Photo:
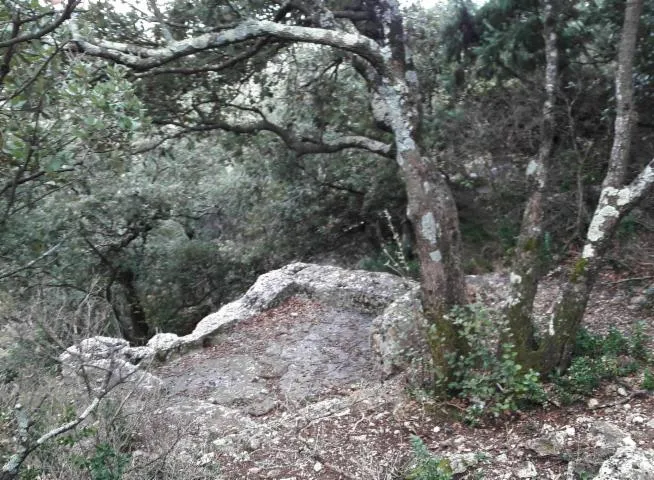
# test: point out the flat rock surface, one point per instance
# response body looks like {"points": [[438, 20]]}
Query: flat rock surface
{"points": [[296, 352]]}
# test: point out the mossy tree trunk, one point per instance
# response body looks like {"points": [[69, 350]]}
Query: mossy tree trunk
{"points": [[431, 207], [616, 200], [528, 261]]}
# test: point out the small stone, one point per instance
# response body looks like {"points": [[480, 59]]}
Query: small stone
{"points": [[206, 459], [528, 470], [638, 300], [317, 467], [502, 458], [570, 431], [460, 462], [628, 442], [252, 444], [622, 392], [627, 406], [459, 440], [638, 420], [545, 446], [436, 429], [650, 424], [593, 403]]}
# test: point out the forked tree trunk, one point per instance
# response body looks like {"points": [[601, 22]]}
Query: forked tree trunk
{"points": [[615, 202], [528, 263]]}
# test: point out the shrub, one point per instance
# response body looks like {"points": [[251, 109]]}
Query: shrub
{"points": [[602, 357], [425, 466], [490, 383]]}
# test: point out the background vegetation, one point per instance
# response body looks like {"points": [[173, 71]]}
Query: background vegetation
{"points": [[117, 217]]}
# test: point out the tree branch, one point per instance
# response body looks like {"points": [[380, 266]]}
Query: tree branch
{"points": [[65, 15], [144, 58], [301, 146]]}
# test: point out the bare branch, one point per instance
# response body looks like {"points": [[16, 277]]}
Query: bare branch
{"points": [[217, 67], [31, 263], [300, 145], [11, 468], [65, 15]]}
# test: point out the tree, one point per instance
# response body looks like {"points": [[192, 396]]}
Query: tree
{"points": [[369, 37], [617, 198], [221, 49]]}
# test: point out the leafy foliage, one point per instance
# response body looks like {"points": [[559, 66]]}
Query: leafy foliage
{"points": [[603, 357], [489, 383], [426, 466]]}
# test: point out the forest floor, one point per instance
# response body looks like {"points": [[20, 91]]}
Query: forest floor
{"points": [[302, 374]]}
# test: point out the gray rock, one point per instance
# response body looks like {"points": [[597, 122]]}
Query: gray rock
{"points": [[528, 470], [607, 438], [104, 362], [548, 445], [399, 335], [365, 291], [164, 342], [460, 462], [628, 463]]}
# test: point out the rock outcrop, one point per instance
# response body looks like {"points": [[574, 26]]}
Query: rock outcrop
{"points": [[397, 335]]}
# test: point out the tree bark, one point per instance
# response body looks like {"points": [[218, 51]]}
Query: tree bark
{"points": [[528, 263], [614, 203], [431, 207]]}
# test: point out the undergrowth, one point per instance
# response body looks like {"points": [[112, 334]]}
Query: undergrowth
{"points": [[425, 465], [487, 382], [599, 358]]}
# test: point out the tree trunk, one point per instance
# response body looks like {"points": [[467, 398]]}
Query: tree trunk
{"points": [[527, 266], [129, 311], [431, 207], [613, 205]]}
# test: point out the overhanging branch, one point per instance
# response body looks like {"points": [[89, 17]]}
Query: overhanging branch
{"points": [[144, 58], [51, 27]]}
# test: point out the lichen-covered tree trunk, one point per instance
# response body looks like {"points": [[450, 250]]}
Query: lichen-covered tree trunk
{"points": [[431, 206], [527, 266], [615, 202]]}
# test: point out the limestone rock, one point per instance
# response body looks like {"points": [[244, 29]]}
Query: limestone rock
{"points": [[105, 362], [365, 291], [607, 437], [460, 462], [398, 336], [164, 342], [628, 463], [549, 445], [528, 470]]}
